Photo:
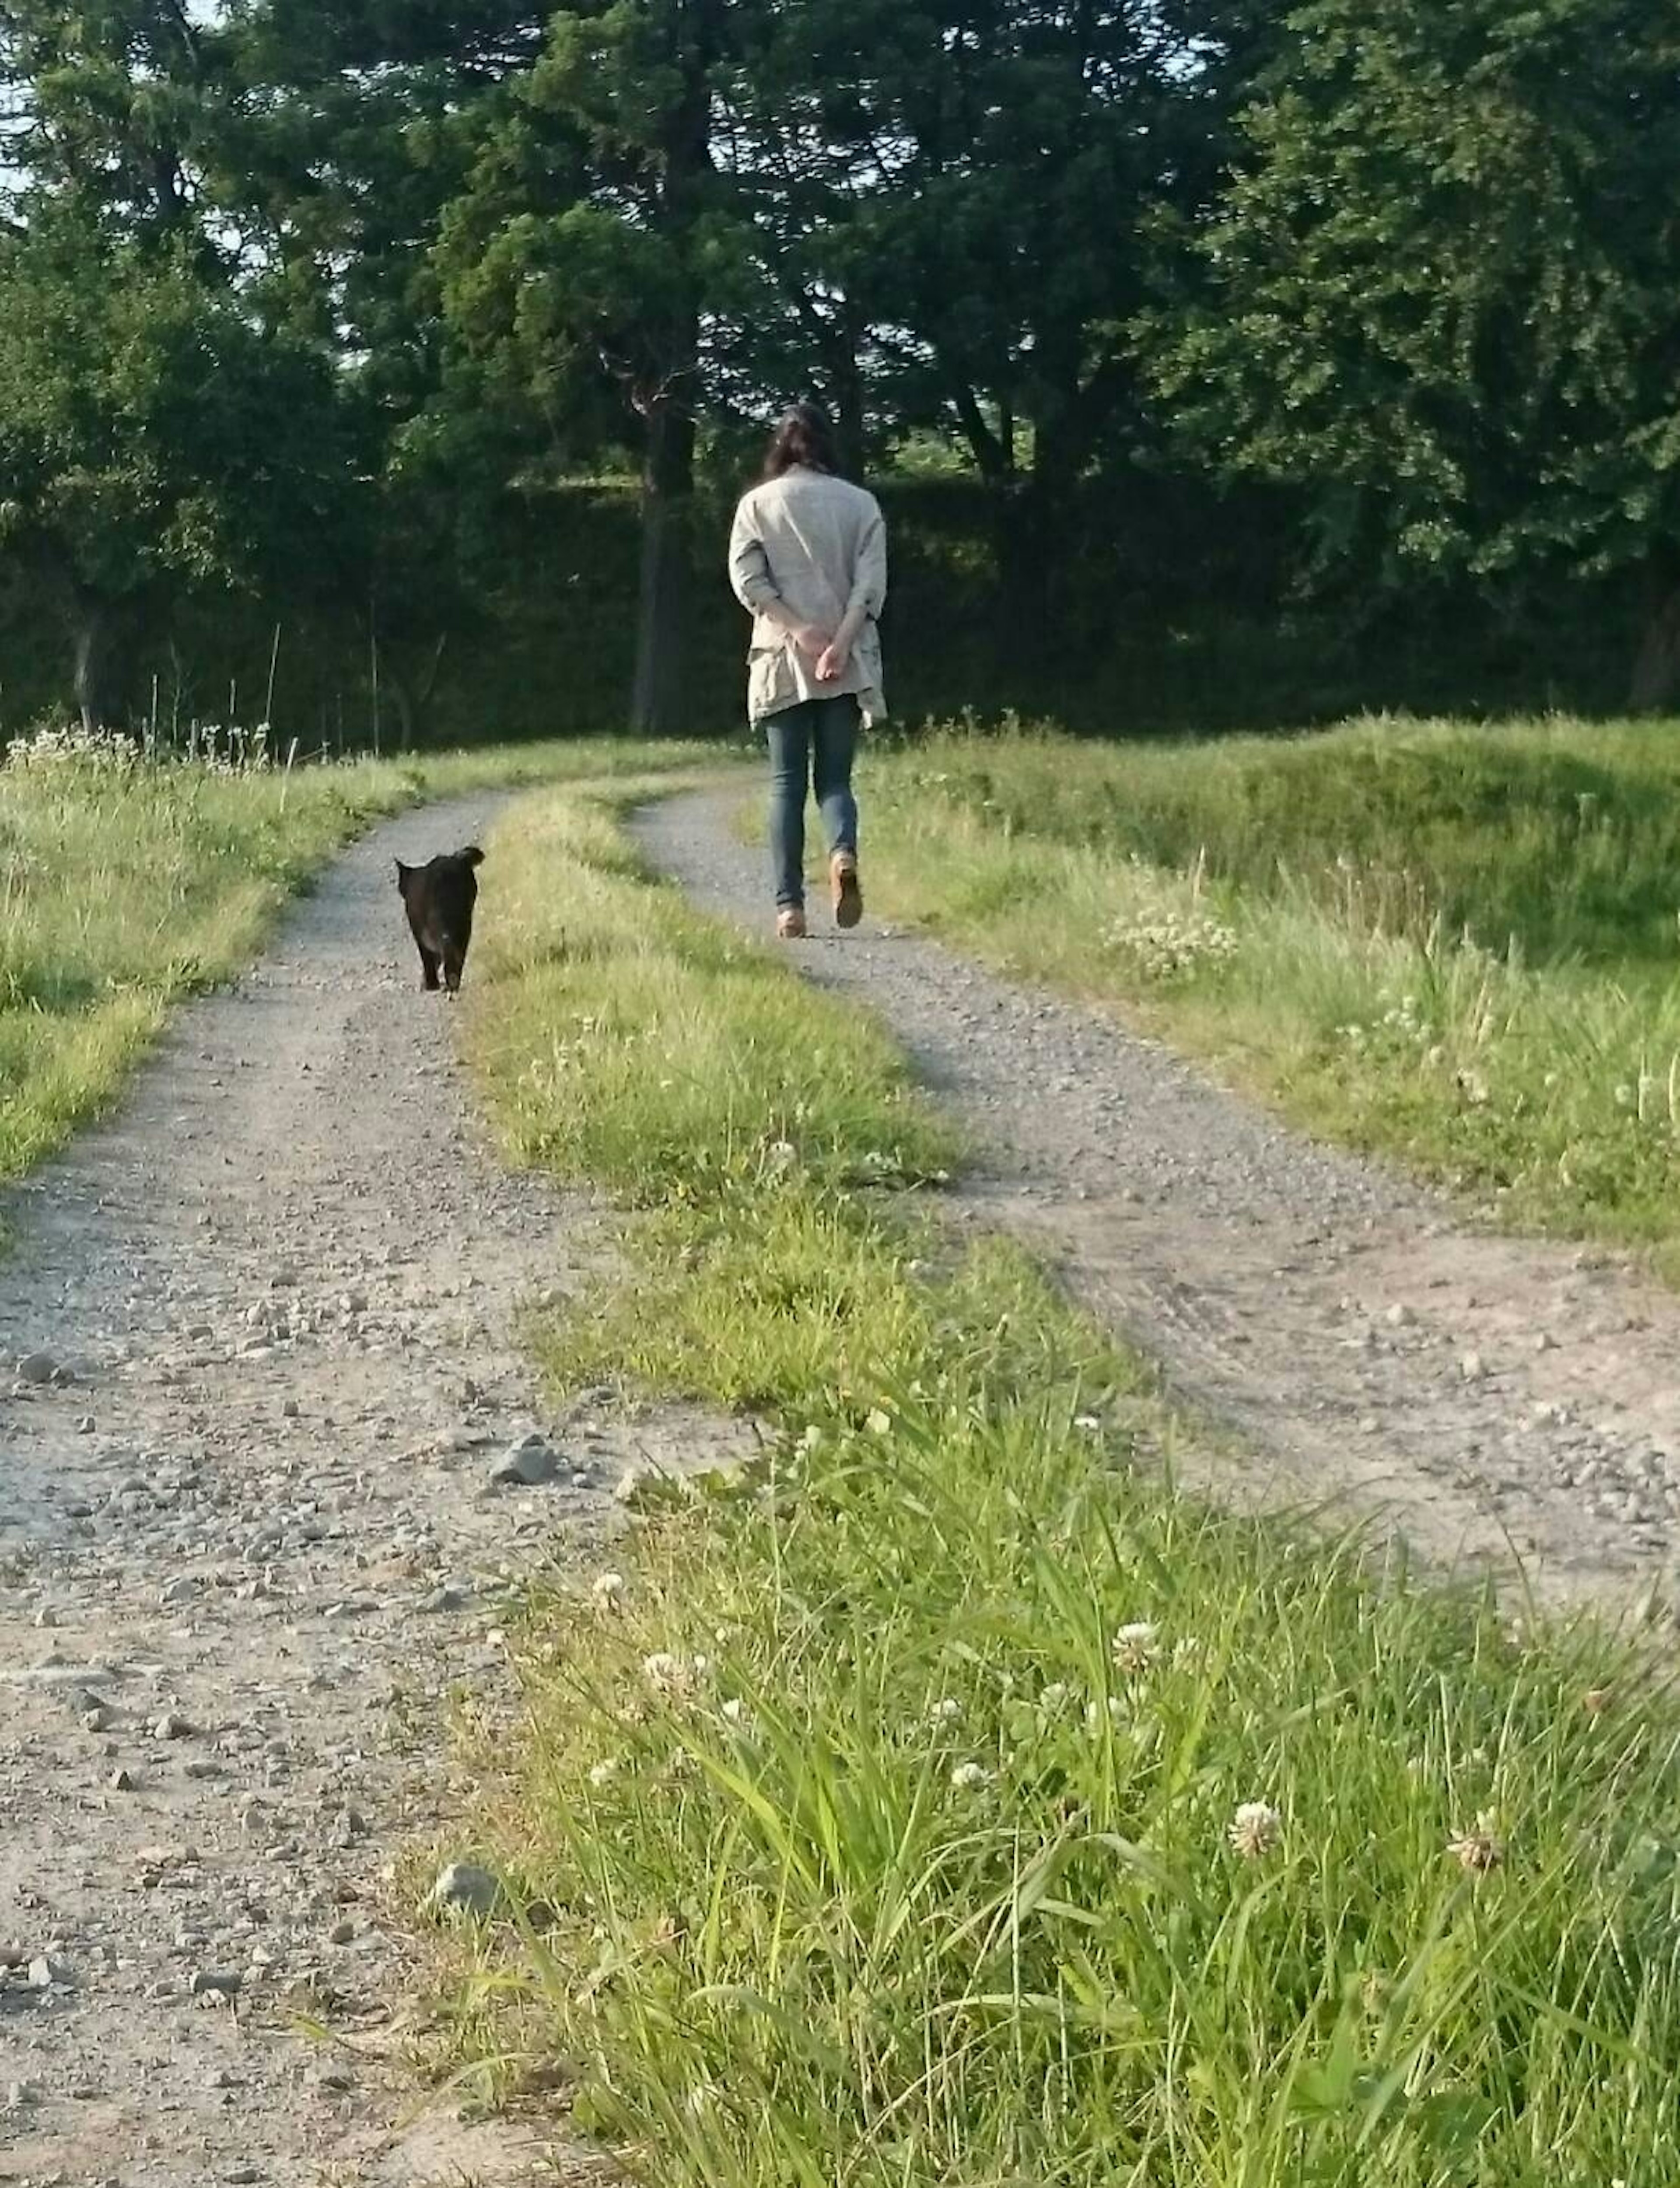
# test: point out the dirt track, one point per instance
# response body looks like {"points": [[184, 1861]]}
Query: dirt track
{"points": [[248, 1534], [244, 1552], [1373, 1350]]}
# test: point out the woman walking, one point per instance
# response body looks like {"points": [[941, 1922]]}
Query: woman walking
{"points": [[807, 558]]}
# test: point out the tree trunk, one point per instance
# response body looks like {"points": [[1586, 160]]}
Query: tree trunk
{"points": [[660, 702], [98, 664], [1656, 667]]}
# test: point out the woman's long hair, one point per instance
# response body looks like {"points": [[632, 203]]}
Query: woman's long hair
{"points": [[804, 437]]}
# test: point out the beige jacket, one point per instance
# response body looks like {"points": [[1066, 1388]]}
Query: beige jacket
{"points": [[817, 545]]}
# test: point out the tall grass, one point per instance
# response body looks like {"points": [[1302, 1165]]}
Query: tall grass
{"points": [[126, 884], [951, 1800], [1457, 946]]}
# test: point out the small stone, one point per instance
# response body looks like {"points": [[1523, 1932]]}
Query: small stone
{"points": [[1400, 1317], [463, 1888], [170, 1725], [45, 1972], [37, 1368], [215, 1982], [290, 1410], [525, 1464], [20, 2095], [349, 1825], [1472, 1367], [121, 1781], [341, 1933], [1545, 1342]]}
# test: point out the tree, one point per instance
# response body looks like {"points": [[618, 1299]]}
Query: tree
{"points": [[151, 438], [1443, 294], [590, 245]]}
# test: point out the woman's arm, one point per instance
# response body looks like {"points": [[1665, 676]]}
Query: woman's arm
{"points": [[751, 581], [867, 598]]}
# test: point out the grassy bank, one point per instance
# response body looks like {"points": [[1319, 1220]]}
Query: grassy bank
{"points": [[954, 1802], [1455, 945], [124, 886]]}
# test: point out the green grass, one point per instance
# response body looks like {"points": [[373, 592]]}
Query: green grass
{"points": [[1455, 945], [124, 886], [882, 1806]]}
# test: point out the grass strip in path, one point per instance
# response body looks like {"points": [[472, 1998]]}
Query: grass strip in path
{"points": [[952, 1801], [1452, 943], [126, 884]]}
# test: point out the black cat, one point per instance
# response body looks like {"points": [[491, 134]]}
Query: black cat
{"points": [[439, 897]]}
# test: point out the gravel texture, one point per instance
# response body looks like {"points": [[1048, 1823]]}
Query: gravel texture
{"points": [[1374, 1351], [268, 1459]]}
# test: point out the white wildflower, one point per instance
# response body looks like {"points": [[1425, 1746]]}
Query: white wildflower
{"points": [[969, 1777], [664, 1672], [734, 1711], [1480, 1850], [880, 1424], [603, 1772], [781, 1154], [1115, 1710], [1053, 1698], [608, 1587], [1254, 1829], [947, 1711], [1135, 1646]]}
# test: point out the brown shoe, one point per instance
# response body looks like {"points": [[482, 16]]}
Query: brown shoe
{"points": [[843, 871], [790, 924]]}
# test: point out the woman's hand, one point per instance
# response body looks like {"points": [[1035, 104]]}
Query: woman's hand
{"points": [[832, 661], [812, 639]]}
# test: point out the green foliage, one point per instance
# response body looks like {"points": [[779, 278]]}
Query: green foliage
{"points": [[148, 428], [948, 1800], [1457, 946], [1441, 289]]}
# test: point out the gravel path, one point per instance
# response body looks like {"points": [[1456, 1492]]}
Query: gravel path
{"points": [[249, 1536], [1371, 1348]]}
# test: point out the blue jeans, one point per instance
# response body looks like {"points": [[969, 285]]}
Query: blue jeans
{"points": [[815, 742]]}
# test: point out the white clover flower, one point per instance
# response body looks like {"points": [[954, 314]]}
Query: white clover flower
{"points": [[1254, 1829], [608, 1587], [969, 1777], [734, 1711], [664, 1672], [880, 1424], [1054, 1697], [1115, 1711], [1480, 1850], [947, 1711], [1624, 1095], [1136, 1646], [603, 1772], [782, 1153], [1087, 1422]]}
